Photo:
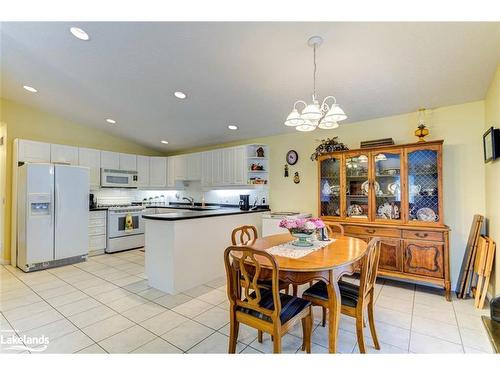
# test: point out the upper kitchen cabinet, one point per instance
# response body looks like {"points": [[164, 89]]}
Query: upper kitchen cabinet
{"points": [[180, 167], [206, 169], [193, 164], [63, 154], [110, 160], [170, 172], [91, 159], [240, 166], [143, 171], [157, 172], [32, 152], [228, 166], [128, 162], [216, 167]]}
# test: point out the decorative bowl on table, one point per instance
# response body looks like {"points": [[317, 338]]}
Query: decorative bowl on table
{"points": [[302, 229]]}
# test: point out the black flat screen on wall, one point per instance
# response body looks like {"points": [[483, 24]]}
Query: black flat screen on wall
{"points": [[491, 144]]}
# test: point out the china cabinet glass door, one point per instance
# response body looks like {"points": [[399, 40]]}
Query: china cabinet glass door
{"points": [[387, 185], [357, 185], [330, 187], [423, 186]]}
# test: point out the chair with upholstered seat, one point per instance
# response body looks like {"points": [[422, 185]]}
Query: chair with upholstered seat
{"points": [[265, 309], [354, 298]]}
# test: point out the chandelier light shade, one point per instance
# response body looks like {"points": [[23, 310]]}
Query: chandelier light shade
{"points": [[294, 118], [315, 115]]}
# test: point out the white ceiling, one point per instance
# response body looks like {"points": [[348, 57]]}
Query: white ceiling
{"points": [[248, 74]]}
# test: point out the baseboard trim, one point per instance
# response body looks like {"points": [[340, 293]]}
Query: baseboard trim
{"points": [[4, 262]]}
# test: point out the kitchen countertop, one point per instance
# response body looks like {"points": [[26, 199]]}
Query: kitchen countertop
{"points": [[172, 216], [98, 209]]}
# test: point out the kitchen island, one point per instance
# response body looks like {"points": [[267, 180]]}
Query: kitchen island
{"points": [[185, 248]]}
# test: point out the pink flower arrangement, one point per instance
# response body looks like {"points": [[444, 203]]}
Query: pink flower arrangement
{"points": [[308, 226]]}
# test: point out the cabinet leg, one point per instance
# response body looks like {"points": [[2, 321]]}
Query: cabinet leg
{"points": [[447, 290]]}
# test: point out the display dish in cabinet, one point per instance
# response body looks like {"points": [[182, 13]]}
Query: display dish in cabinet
{"points": [[395, 193]]}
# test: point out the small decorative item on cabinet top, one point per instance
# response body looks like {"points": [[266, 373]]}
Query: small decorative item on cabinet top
{"points": [[328, 145], [421, 131], [260, 152]]}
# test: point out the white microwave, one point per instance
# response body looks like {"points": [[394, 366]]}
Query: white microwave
{"points": [[115, 178]]}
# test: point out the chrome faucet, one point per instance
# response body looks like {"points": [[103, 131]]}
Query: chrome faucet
{"points": [[190, 200]]}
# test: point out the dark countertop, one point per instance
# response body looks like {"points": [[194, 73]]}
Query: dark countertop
{"points": [[173, 216], [98, 209]]}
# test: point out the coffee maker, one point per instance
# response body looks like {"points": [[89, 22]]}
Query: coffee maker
{"points": [[244, 202], [92, 202]]}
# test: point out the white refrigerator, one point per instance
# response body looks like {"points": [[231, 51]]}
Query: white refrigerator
{"points": [[53, 214]]}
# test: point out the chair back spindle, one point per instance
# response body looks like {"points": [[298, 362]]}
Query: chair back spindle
{"points": [[369, 267], [330, 229], [244, 235]]}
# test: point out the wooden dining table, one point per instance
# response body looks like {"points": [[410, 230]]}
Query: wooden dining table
{"points": [[328, 264]]}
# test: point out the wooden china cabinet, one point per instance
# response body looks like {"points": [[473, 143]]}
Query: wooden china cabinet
{"points": [[395, 193]]}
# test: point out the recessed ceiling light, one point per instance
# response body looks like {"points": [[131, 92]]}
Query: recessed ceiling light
{"points": [[110, 121], [180, 95], [30, 89], [79, 33], [164, 142], [232, 127]]}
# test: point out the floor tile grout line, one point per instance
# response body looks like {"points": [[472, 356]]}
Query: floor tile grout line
{"points": [[411, 320], [65, 317], [15, 330]]}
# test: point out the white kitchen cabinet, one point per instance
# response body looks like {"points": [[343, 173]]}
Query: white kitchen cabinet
{"points": [[193, 171], [33, 152], [217, 167], [97, 232], [157, 172], [143, 171], [180, 167], [206, 169], [110, 160], [240, 166], [228, 166], [63, 154], [91, 159], [171, 172], [128, 162]]}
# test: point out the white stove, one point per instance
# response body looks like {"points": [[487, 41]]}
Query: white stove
{"points": [[125, 228]]}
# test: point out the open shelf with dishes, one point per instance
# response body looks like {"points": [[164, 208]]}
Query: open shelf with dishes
{"points": [[395, 193]]}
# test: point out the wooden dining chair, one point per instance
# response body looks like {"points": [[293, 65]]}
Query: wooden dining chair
{"points": [[333, 228], [259, 307], [355, 299]]}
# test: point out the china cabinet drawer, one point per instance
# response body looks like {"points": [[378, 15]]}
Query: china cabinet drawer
{"points": [[371, 231], [423, 235], [424, 258], [94, 231], [97, 243]]}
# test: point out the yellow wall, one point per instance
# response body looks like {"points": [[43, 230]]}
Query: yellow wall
{"points": [[30, 123], [461, 126], [492, 117]]}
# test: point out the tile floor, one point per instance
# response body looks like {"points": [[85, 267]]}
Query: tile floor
{"points": [[105, 306]]}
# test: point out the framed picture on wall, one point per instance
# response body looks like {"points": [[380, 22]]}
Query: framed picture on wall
{"points": [[491, 144]]}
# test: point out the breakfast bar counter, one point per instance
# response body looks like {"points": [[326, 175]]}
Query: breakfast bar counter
{"points": [[185, 249]]}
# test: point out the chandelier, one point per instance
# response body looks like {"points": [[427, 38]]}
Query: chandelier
{"points": [[314, 115]]}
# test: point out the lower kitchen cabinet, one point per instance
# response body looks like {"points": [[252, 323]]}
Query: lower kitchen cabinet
{"points": [[391, 256], [97, 232], [424, 258]]}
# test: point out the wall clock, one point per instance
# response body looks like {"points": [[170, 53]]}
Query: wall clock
{"points": [[292, 157]]}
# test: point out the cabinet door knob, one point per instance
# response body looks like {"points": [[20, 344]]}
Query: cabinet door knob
{"points": [[371, 231], [421, 235]]}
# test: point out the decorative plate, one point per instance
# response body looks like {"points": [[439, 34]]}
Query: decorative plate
{"points": [[426, 214], [292, 157], [326, 189], [366, 186], [354, 210], [415, 189], [393, 188], [388, 211]]}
